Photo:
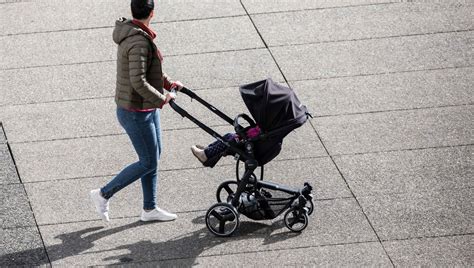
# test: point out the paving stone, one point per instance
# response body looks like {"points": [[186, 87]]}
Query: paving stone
{"points": [[351, 255], [36, 16], [94, 45], [351, 58], [124, 240], [15, 208], [8, 172], [387, 92], [408, 171], [55, 48], [439, 251], [73, 158], [410, 215], [361, 22], [291, 5], [179, 191], [450, 126], [32, 15], [22, 247], [82, 118], [95, 80], [233, 33], [57, 83], [169, 10]]}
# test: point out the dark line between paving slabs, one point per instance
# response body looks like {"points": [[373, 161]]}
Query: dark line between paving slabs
{"points": [[103, 61], [26, 193], [264, 42], [371, 38], [115, 218], [244, 49], [111, 26], [57, 101], [196, 19], [396, 110], [56, 65], [352, 192], [407, 149], [322, 8], [428, 237], [383, 73]]}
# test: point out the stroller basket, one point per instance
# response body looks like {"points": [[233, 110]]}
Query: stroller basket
{"points": [[265, 204]]}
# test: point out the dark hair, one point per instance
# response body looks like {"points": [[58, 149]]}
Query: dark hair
{"points": [[141, 9]]}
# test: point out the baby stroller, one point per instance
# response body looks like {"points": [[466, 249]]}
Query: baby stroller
{"points": [[277, 111]]}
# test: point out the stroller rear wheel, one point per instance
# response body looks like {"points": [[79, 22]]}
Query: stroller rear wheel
{"points": [[296, 220], [226, 191], [222, 219]]}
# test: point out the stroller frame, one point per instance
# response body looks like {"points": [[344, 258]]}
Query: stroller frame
{"points": [[250, 197]]}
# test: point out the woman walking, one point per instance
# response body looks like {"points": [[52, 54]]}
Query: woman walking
{"points": [[139, 97]]}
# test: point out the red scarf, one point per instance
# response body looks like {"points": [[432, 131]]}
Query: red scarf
{"points": [[151, 33]]}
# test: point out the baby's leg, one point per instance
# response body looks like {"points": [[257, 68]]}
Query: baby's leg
{"points": [[218, 147]]}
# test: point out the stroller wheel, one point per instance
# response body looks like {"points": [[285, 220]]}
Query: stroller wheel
{"points": [[222, 219], [296, 220], [226, 191]]}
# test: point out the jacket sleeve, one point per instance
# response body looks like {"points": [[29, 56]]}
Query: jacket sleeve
{"points": [[167, 82], [138, 64]]}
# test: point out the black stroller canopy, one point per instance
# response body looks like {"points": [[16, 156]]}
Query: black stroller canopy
{"points": [[273, 106]]}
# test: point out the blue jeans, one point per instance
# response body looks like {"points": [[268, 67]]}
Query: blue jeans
{"points": [[143, 129]]}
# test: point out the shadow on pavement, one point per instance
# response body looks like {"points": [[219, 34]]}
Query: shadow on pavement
{"points": [[186, 247]]}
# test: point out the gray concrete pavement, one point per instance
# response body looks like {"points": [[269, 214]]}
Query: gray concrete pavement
{"points": [[389, 150]]}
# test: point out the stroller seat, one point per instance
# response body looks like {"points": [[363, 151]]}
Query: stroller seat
{"points": [[276, 110]]}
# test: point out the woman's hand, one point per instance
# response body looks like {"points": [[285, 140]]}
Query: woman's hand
{"points": [[169, 96], [177, 85]]}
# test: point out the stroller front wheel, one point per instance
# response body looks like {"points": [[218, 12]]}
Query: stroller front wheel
{"points": [[229, 187], [296, 220], [222, 219]]}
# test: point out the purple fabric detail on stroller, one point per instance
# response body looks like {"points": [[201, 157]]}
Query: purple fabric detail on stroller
{"points": [[253, 132]]}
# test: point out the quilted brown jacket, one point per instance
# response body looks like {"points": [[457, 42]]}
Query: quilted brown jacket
{"points": [[140, 79]]}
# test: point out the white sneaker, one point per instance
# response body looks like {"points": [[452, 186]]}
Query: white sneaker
{"points": [[158, 214], [199, 153], [101, 204]]}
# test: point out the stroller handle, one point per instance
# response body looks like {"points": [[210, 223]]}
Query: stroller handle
{"points": [[193, 95], [211, 132], [184, 113]]}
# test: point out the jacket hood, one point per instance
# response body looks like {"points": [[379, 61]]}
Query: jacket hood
{"points": [[124, 28]]}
